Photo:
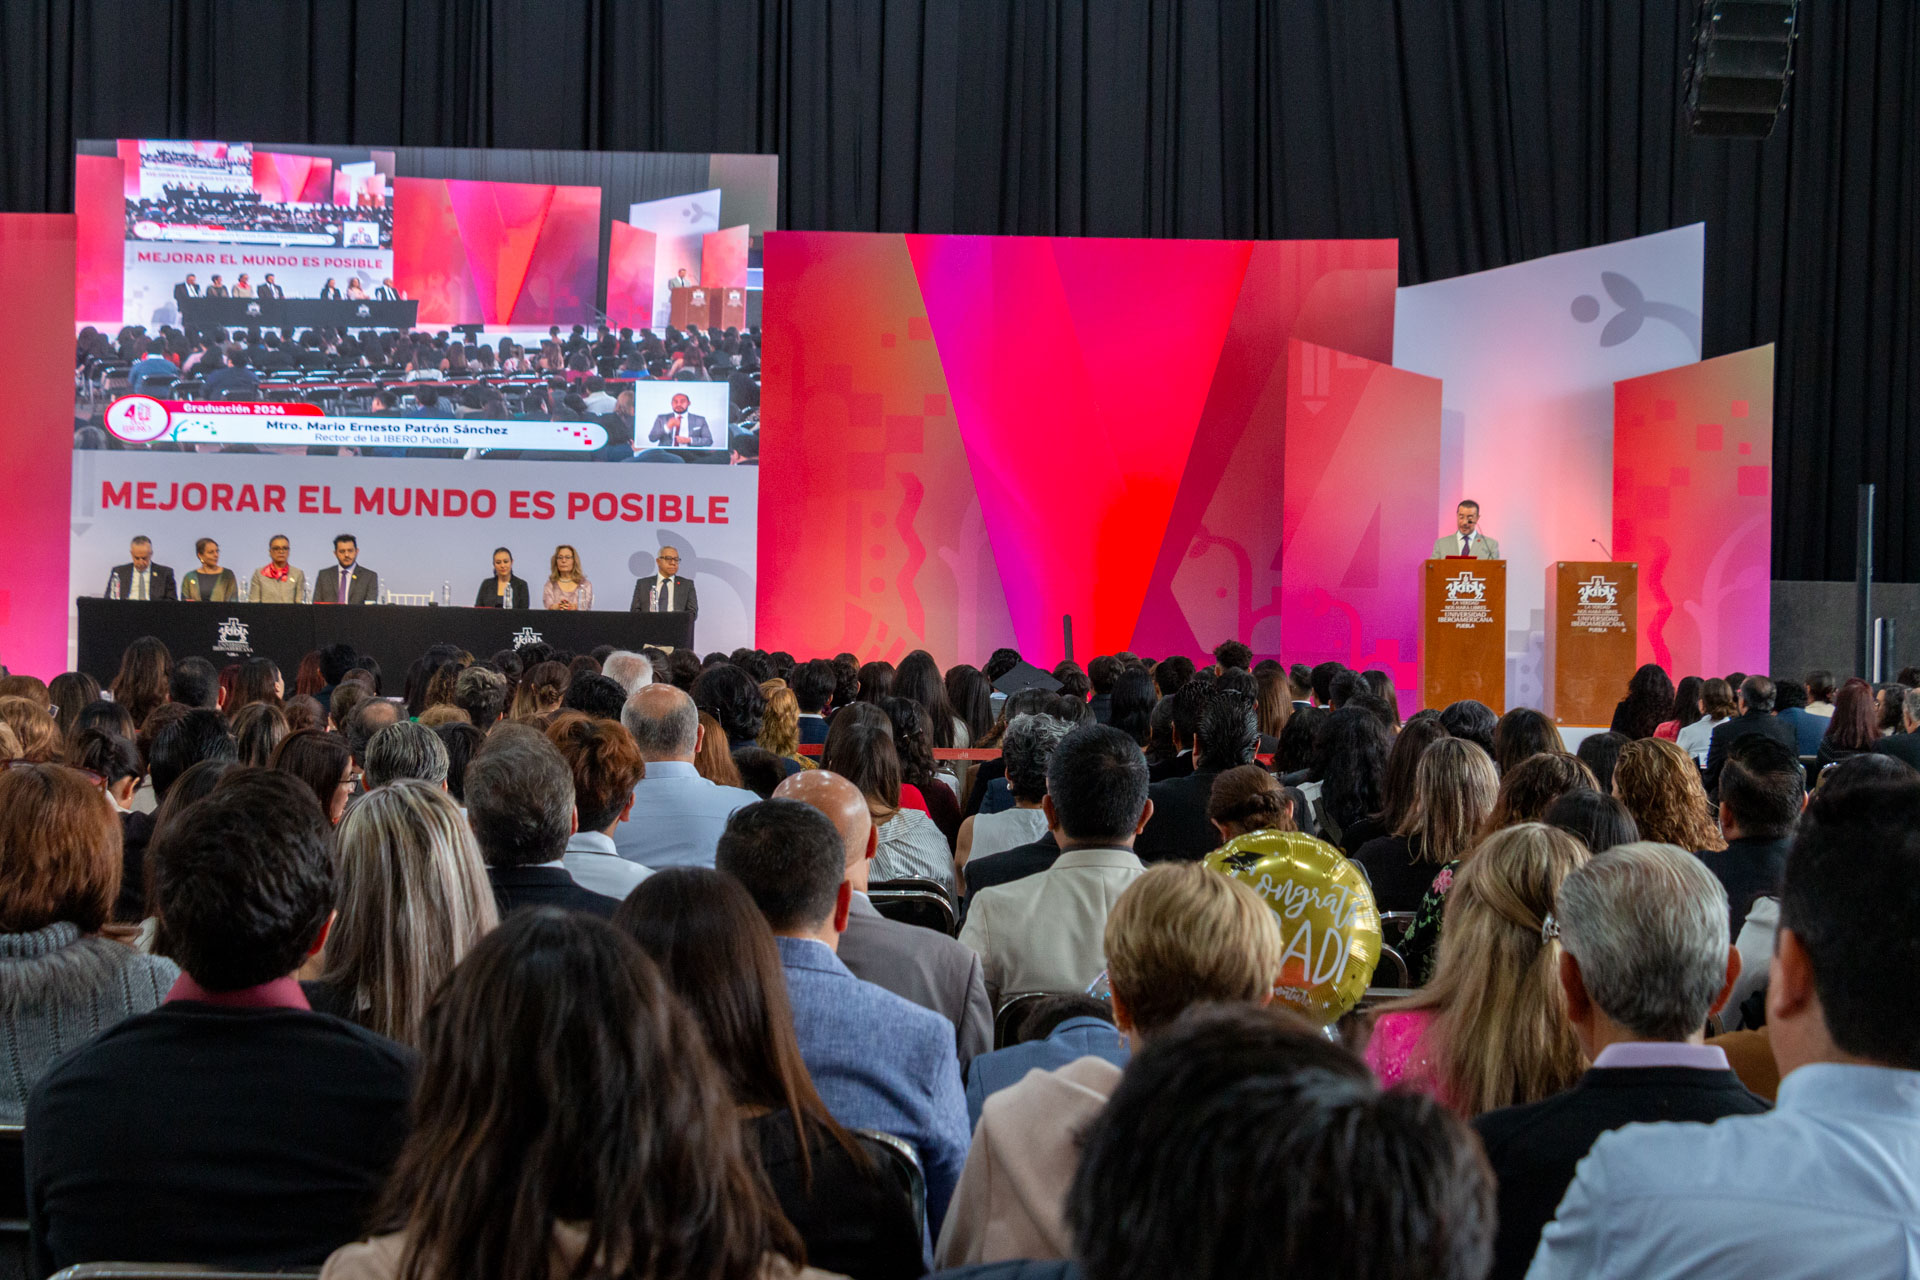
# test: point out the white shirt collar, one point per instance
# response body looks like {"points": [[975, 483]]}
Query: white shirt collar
{"points": [[590, 842], [1662, 1053]]}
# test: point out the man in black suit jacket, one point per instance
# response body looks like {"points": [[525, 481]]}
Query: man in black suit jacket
{"points": [[666, 591], [363, 584], [1644, 960], [813, 683], [1906, 745], [188, 288], [1762, 790], [1756, 716], [1179, 830], [268, 289], [140, 578], [519, 794], [1189, 704], [232, 1126]]}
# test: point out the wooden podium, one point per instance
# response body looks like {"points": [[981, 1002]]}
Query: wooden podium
{"points": [[690, 307], [1592, 606], [1463, 632], [729, 308]]}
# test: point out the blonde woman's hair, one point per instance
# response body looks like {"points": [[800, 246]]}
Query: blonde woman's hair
{"points": [[1660, 785], [780, 724], [413, 900], [541, 689], [1500, 1035], [1182, 935], [579, 573], [444, 713], [1454, 789]]}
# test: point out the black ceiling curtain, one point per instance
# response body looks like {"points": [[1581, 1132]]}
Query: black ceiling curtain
{"points": [[1478, 132]]}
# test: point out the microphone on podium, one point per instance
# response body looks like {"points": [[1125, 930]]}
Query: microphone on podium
{"points": [[1596, 542]]}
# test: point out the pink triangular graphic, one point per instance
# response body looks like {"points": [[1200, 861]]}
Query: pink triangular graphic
{"points": [[1363, 570], [1076, 444], [500, 225]]}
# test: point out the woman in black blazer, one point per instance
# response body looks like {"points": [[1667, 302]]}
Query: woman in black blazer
{"points": [[503, 590]]}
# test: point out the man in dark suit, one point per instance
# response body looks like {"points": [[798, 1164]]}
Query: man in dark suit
{"points": [[813, 684], [680, 429], [519, 794], [924, 966], [666, 591], [1644, 960], [1756, 716], [225, 374], [1102, 672], [346, 581], [1179, 831], [386, 292], [140, 578], [246, 1131], [1761, 793], [1905, 745], [268, 289], [188, 288]]}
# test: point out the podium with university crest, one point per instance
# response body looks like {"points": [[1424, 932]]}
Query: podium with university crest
{"points": [[1463, 632], [1592, 606]]}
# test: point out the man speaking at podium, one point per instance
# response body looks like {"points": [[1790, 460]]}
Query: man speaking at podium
{"points": [[1467, 540]]}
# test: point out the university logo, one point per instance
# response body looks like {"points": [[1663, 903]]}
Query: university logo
{"points": [[1597, 590], [363, 311], [1466, 586], [253, 308], [233, 639], [526, 636]]}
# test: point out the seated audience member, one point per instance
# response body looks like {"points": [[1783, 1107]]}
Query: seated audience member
{"points": [[1049, 1033], [1186, 704], [1600, 752], [520, 806], [1474, 721], [606, 767], [482, 694], [324, 763], [714, 759], [1227, 737], [1025, 749], [1790, 705], [257, 730], [1756, 716], [404, 750], [194, 683], [879, 1061], [1490, 1029], [860, 748], [303, 711], [1348, 774], [232, 1126], [921, 965], [1454, 789], [1643, 961], [1180, 935], [718, 954], [913, 746], [1595, 819], [1824, 1184], [1649, 698], [1521, 734], [61, 983], [813, 686], [1399, 784], [1854, 727], [627, 669], [677, 815], [563, 1122], [368, 718], [1045, 932], [1246, 799], [413, 899], [1761, 795], [1661, 789], [1219, 1155], [1716, 706], [595, 695], [1904, 745], [35, 733]]}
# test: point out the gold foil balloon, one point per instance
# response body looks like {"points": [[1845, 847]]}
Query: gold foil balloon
{"points": [[1329, 925]]}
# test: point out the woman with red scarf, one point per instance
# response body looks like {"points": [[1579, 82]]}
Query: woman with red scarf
{"points": [[277, 582]]}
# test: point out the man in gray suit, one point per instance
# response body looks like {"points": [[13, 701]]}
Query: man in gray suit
{"points": [[928, 968], [681, 429], [1467, 540]]}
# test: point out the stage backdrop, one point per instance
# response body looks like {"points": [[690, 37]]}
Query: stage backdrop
{"points": [[1529, 355], [496, 253], [1693, 505], [978, 435]]}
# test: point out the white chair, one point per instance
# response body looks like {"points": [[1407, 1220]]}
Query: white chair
{"points": [[405, 597]]}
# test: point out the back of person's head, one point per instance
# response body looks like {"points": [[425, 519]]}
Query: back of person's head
{"points": [[519, 795], [813, 684], [1600, 752], [1522, 733], [1097, 785], [561, 1080], [462, 741], [1300, 681], [1350, 762], [1182, 935], [1455, 789], [1647, 924], [663, 721], [789, 857], [1321, 679], [482, 694], [1214, 1159], [180, 744], [1762, 787], [1536, 782], [1026, 749], [1229, 731], [1788, 694], [860, 748], [1849, 896], [595, 695], [258, 728], [1233, 655], [733, 698], [369, 718], [605, 764], [627, 669], [1757, 694], [1716, 699], [61, 842], [1172, 674], [1247, 798], [1102, 672], [1471, 720], [104, 753], [194, 683], [1662, 789], [318, 759], [413, 900], [243, 880], [1820, 685], [404, 750], [1297, 740], [1594, 818], [36, 735], [1399, 785], [336, 660]]}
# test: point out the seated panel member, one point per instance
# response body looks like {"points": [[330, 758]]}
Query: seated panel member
{"points": [[209, 581], [1466, 538], [277, 582], [140, 578], [330, 292], [356, 292], [665, 591], [505, 589], [269, 289], [346, 581], [567, 586]]}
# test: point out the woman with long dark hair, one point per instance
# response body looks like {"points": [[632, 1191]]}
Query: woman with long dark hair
{"points": [[717, 953], [569, 1120], [146, 668], [324, 762], [1685, 709], [1855, 726], [860, 749], [1349, 766], [1131, 710], [918, 678], [256, 680], [1397, 798], [913, 743], [1649, 698], [1523, 733], [971, 698], [876, 681]]}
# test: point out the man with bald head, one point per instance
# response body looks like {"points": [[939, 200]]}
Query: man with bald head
{"points": [[932, 970], [677, 815]]}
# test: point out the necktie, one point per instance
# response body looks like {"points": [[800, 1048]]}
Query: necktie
{"points": [[345, 578], [140, 586], [666, 598], [1466, 544]]}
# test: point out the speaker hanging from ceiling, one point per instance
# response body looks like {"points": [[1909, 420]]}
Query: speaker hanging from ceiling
{"points": [[1742, 60]]}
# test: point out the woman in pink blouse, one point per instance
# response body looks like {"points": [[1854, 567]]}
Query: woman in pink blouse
{"points": [[567, 586]]}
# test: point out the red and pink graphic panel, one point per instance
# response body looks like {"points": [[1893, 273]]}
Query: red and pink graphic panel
{"points": [[723, 258], [501, 252], [630, 258], [1693, 506]]}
